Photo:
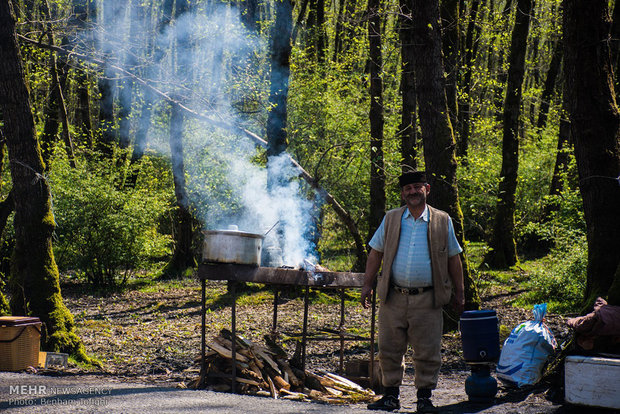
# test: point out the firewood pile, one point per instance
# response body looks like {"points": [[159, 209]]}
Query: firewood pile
{"points": [[267, 371]]}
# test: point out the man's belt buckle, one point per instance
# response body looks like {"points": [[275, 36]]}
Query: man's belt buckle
{"points": [[412, 291]]}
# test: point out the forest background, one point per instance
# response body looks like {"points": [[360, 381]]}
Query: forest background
{"points": [[158, 119]]}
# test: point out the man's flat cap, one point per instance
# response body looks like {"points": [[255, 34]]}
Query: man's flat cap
{"points": [[412, 177]]}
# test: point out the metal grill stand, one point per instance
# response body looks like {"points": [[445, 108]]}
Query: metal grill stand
{"points": [[286, 277]]}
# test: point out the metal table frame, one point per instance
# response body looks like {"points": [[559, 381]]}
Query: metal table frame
{"points": [[284, 277]]}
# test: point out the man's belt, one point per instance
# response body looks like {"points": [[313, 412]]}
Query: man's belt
{"points": [[412, 291]]}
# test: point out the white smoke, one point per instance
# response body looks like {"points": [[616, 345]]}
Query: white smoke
{"points": [[225, 183]]}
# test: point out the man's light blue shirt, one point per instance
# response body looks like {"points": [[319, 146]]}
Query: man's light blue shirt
{"points": [[412, 263]]}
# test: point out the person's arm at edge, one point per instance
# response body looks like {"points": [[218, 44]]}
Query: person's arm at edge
{"points": [[455, 269], [373, 263]]}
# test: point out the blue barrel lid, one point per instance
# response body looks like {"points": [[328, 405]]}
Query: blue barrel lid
{"points": [[477, 314]]}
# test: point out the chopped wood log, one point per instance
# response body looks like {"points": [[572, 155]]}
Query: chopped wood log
{"points": [[343, 382], [334, 391], [313, 382], [255, 368], [266, 370], [278, 381], [260, 353], [290, 395], [208, 357], [226, 353], [287, 370], [272, 388], [241, 341], [299, 374]]}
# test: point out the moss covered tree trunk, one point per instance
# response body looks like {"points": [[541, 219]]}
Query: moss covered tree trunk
{"points": [[437, 135], [407, 131], [34, 278], [595, 129]]}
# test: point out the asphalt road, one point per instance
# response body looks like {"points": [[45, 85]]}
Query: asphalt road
{"points": [[31, 393], [27, 393]]}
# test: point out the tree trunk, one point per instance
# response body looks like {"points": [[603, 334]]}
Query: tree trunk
{"points": [[150, 97], [377, 169], [407, 130], [464, 114], [34, 274], [106, 86], [561, 162], [125, 94], [277, 119], [595, 129], [503, 249], [315, 30], [182, 257], [450, 30], [300, 20], [343, 28], [549, 87], [615, 42], [437, 135], [55, 109], [280, 72]]}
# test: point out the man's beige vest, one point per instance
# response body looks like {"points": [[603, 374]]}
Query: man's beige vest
{"points": [[438, 248]]}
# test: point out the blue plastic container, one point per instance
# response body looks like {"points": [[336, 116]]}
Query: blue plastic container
{"points": [[480, 335]]}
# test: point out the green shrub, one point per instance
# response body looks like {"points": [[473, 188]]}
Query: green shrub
{"points": [[562, 282], [105, 231]]}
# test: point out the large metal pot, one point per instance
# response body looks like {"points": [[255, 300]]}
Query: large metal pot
{"points": [[232, 246]]}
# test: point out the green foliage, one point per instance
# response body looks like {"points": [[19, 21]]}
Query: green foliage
{"points": [[561, 281], [105, 231]]}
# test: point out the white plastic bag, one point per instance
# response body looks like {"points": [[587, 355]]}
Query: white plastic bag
{"points": [[526, 350]]}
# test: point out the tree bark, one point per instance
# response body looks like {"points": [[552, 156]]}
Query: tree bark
{"points": [[277, 120], [280, 72], [125, 94], [315, 30], [107, 87], [503, 249], [407, 130], [343, 28], [377, 168], [450, 30], [437, 135], [549, 87], [595, 129], [561, 162], [34, 274], [464, 114], [55, 110]]}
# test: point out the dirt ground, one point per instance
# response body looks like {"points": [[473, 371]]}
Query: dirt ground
{"points": [[153, 336]]}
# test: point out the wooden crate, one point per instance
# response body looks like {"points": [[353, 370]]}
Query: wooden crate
{"points": [[592, 381], [20, 337]]}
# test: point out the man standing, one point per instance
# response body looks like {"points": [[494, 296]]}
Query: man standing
{"points": [[421, 264]]}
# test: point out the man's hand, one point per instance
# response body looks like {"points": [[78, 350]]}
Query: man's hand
{"points": [[366, 296], [370, 276], [458, 301]]}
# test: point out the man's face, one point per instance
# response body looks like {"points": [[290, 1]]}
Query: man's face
{"points": [[415, 194]]}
